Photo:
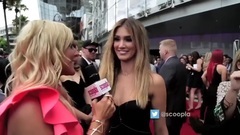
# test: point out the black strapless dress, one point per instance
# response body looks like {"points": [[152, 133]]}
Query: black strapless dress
{"points": [[129, 119], [76, 92]]}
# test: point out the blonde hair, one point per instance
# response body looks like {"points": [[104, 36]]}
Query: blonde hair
{"points": [[110, 64], [170, 45], [38, 57], [206, 60], [236, 60]]}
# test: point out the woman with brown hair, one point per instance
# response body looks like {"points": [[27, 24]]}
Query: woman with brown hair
{"points": [[195, 82], [135, 88]]}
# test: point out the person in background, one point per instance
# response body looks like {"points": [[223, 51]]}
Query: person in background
{"points": [[189, 72], [4, 70], [229, 61], [89, 54], [75, 86], [183, 61], [87, 61], [135, 88], [175, 77], [228, 98], [38, 104], [225, 56], [206, 61], [212, 77], [195, 81], [185, 57], [2, 96], [153, 68]]}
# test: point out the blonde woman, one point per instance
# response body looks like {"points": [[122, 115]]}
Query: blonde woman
{"points": [[135, 88], [38, 105], [206, 60]]}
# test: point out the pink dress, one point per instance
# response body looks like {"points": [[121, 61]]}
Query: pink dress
{"points": [[54, 112]]}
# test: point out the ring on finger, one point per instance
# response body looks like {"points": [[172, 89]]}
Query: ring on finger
{"points": [[109, 97]]}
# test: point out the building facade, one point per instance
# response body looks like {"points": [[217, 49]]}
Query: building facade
{"points": [[196, 25], [69, 12]]}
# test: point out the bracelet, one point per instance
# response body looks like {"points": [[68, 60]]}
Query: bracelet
{"points": [[98, 121], [97, 128]]}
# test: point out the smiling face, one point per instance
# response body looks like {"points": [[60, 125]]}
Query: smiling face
{"points": [[123, 44]]}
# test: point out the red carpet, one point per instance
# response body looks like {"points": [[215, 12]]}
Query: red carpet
{"points": [[186, 128]]}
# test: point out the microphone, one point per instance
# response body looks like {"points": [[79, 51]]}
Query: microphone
{"points": [[98, 89], [95, 87], [90, 74]]}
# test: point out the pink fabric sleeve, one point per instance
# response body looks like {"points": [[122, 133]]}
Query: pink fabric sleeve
{"points": [[54, 112]]}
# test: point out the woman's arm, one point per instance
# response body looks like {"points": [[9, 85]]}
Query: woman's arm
{"points": [[158, 90], [223, 72], [102, 111], [83, 116], [230, 103], [26, 119], [87, 97], [204, 78]]}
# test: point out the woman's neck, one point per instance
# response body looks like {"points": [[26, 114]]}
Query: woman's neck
{"points": [[127, 68]]}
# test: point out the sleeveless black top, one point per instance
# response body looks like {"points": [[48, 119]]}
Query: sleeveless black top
{"points": [[129, 119], [216, 79]]}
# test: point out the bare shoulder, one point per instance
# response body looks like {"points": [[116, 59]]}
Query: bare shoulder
{"points": [[64, 78], [25, 113], [222, 66], [156, 78], [157, 82]]}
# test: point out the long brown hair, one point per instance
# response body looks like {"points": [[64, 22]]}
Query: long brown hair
{"points": [[110, 64]]}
